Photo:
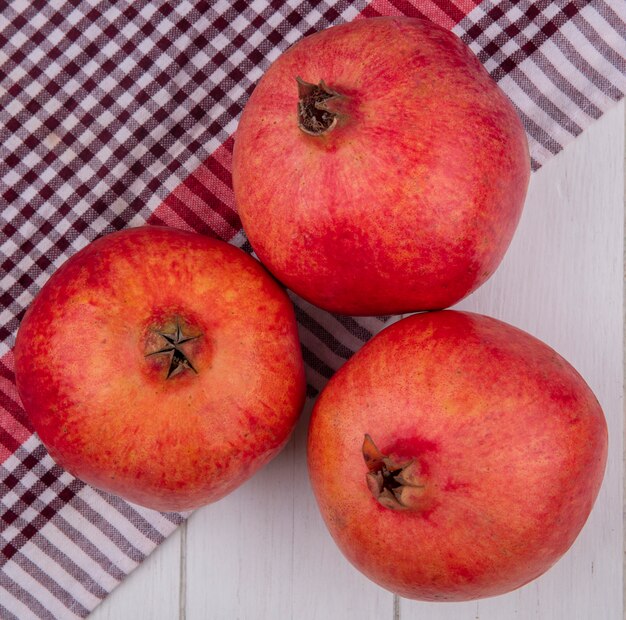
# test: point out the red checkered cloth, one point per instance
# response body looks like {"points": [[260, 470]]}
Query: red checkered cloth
{"points": [[114, 114]]}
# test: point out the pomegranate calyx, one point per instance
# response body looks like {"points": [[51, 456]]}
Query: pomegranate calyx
{"points": [[394, 485], [316, 116], [178, 359]]}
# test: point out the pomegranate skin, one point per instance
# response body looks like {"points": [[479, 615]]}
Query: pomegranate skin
{"points": [[410, 201], [162, 366], [508, 448]]}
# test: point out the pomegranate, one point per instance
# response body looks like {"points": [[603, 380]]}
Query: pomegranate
{"points": [[455, 457], [162, 366], [378, 168]]}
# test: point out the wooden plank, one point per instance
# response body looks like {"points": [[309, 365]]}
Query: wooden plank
{"points": [[562, 280], [152, 591]]}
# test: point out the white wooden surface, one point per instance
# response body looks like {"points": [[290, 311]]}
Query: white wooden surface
{"points": [[263, 553]]}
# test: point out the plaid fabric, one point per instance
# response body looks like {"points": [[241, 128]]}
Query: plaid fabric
{"points": [[113, 114]]}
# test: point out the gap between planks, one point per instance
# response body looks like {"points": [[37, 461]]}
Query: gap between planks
{"points": [[182, 593]]}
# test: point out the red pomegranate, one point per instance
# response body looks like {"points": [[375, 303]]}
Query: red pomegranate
{"points": [[379, 169], [162, 366], [455, 457]]}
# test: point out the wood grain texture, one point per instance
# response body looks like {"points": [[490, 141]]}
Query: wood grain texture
{"points": [[263, 553], [152, 592]]}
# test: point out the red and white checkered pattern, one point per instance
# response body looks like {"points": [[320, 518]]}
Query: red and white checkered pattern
{"points": [[113, 114]]}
